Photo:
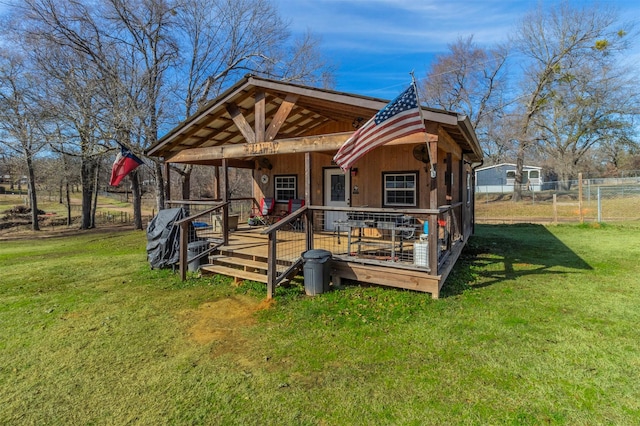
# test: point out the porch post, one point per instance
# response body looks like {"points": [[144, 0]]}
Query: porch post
{"points": [[308, 218], [184, 242], [217, 178], [225, 198], [259, 113], [433, 219], [271, 266], [167, 182]]}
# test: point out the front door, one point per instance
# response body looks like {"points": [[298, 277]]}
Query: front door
{"points": [[337, 186]]}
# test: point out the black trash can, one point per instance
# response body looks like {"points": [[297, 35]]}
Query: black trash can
{"points": [[194, 249], [317, 270]]}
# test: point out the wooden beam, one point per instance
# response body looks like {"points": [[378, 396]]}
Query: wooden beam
{"points": [[241, 123], [330, 142], [281, 115], [319, 143], [225, 199], [259, 113], [447, 144]]}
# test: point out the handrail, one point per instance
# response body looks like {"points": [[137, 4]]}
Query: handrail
{"points": [[202, 213], [379, 210], [184, 240], [206, 201]]}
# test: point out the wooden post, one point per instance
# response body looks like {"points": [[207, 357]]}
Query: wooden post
{"points": [[271, 266], [580, 197], [184, 242], [555, 209], [308, 217], [433, 219], [217, 186], [167, 184], [225, 198], [259, 113]]}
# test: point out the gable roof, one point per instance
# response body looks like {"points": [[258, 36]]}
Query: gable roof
{"points": [[495, 166], [312, 108]]}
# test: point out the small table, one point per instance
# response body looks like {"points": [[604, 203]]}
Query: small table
{"points": [[394, 228]]}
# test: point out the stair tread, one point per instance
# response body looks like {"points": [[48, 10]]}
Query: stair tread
{"points": [[233, 272], [230, 260]]}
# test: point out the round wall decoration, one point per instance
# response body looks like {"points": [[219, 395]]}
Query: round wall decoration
{"points": [[264, 179]]}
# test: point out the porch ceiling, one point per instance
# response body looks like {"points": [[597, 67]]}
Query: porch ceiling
{"points": [[313, 108]]}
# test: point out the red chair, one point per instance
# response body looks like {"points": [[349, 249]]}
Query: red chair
{"points": [[264, 215], [294, 204]]}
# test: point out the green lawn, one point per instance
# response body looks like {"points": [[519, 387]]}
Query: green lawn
{"points": [[537, 325]]}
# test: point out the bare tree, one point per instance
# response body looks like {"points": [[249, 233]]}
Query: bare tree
{"points": [[592, 105], [472, 80], [223, 39], [147, 50], [556, 42], [22, 119]]}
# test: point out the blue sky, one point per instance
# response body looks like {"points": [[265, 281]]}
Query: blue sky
{"points": [[376, 43]]}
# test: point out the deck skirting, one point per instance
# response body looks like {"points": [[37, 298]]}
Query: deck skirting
{"points": [[388, 276]]}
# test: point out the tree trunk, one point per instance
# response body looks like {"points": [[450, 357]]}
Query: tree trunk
{"points": [[136, 194], [88, 166], [68, 204], [517, 185], [564, 183], [94, 208], [32, 194], [162, 188]]}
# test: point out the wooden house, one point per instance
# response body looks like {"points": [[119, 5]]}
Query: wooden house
{"points": [[387, 221]]}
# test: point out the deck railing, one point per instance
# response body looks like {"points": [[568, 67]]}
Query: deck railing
{"points": [[378, 236], [288, 239], [207, 224], [388, 236]]}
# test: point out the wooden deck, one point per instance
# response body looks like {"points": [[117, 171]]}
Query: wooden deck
{"points": [[245, 257]]}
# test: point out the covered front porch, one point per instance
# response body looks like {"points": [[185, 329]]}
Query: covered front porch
{"points": [[378, 246], [399, 216]]}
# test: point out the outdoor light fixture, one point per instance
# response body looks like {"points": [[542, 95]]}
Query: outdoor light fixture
{"points": [[357, 122]]}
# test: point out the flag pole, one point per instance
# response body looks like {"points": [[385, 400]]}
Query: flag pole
{"points": [[415, 88]]}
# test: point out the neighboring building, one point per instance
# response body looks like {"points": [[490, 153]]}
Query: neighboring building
{"points": [[501, 178]]}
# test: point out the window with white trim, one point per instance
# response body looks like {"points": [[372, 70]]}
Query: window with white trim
{"points": [[400, 189], [286, 188]]}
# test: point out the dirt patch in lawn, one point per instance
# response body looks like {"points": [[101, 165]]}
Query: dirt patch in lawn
{"points": [[221, 323]]}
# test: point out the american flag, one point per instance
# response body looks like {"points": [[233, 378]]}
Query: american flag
{"points": [[401, 117]]}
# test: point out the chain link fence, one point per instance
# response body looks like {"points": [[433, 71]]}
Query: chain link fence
{"points": [[601, 200]]}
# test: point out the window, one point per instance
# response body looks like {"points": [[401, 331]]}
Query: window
{"points": [[511, 176], [400, 189], [285, 188], [534, 174]]}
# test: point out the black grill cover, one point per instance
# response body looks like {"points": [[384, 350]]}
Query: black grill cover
{"points": [[163, 238]]}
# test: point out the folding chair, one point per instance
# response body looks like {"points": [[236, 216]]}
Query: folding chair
{"points": [[264, 216]]}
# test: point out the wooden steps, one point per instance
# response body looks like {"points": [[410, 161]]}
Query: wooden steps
{"points": [[239, 266], [237, 274]]}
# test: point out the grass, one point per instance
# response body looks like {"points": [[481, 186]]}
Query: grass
{"points": [[538, 325]]}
